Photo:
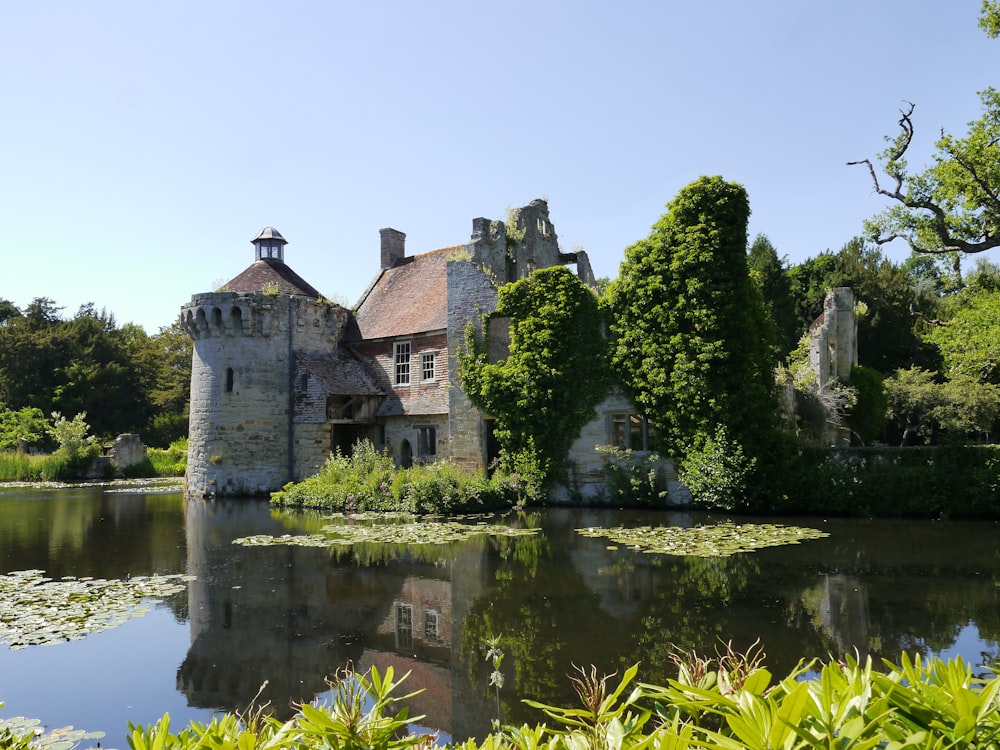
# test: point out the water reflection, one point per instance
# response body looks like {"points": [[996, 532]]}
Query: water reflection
{"points": [[292, 616]]}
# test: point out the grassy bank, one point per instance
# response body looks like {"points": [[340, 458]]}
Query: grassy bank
{"points": [[62, 466]]}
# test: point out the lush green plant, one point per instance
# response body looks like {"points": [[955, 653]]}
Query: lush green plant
{"points": [[27, 424], [689, 328], [369, 480], [718, 471], [633, 477], [169, 462], [866, 416], [545, 390]]}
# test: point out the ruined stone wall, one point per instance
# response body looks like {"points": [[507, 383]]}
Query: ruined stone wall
{"points": [[470, 295], [833, 345], [241, 438]]}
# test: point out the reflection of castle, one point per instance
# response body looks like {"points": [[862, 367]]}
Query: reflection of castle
{"points": [[293, 616]]}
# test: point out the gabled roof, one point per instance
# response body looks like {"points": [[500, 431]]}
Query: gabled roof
{"points": [[338, 372], [270, 274], [411, 297]]}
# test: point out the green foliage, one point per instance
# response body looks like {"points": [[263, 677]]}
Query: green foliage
{"points": [[947, 481], [169, 462], [989, 18], [545, 390], [886, 336], [368, 480], [718, 471], [951, 206], [727, 702], [770, 273], [866, 416], [970, 340], [688, 325], [633, 478], [120, 376], [27, 424]]}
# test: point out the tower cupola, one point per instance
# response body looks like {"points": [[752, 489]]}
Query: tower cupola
{"points": [[269, 245]]}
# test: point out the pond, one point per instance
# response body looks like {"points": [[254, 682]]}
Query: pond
{"points": [[289, 616]]}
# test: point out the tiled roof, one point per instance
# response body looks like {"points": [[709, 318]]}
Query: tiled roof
{"points": [[271, 274], [339, 372], [411, 297]]}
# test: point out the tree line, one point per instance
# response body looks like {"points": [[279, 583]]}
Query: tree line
{"points": [[122, 378]]}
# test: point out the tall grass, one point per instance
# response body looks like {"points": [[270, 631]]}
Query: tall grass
{"points": [[51, 467]]}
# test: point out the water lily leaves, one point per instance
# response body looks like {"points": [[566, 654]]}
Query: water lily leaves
{"points": [[720, 540], [361, 528], [36, 611], [65, 738]]}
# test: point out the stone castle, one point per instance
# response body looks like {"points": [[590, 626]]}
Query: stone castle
{"points": [[282, 376]]}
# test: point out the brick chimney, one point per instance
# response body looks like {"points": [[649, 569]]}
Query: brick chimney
{"points": [[393, 247]]}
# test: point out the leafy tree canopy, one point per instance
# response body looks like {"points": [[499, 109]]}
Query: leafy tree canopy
{"points": [[771, 274], [970, 340], [689, 329], [952, 206]]}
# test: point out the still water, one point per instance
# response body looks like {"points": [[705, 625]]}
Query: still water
{"points": [[291, 616]]}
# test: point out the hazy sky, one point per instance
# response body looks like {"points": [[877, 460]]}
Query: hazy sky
{"points": [[145, 144]]}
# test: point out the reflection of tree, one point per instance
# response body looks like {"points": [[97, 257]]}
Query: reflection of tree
{"points": [[546, 617], [694, 614]]}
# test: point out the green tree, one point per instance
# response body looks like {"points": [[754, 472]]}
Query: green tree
{"points": [[970, 340], [27, 424], [545, 390], [689, 328], [886, 336], [914, 397], [771, 274], [952, 206], [989, 18]]}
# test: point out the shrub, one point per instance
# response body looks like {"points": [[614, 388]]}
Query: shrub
{"points": [[717, 472], [168, 462], [369, 480]]}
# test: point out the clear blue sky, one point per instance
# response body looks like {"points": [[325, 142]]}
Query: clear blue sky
{"points": [[145, 144]]}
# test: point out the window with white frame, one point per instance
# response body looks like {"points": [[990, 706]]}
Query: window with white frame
{"points": [[427, 366], [401, 362]]}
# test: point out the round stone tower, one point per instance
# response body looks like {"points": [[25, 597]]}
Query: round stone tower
{"points": [[242, 434]]}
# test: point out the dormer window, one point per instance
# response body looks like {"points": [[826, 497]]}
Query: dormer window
{"points": [[269, 245]]}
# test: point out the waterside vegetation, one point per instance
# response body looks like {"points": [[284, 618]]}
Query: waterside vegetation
{"points": [[730, 702]]}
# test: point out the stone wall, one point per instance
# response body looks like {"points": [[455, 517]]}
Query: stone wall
{"points": [[471, 294], [241, 439]]}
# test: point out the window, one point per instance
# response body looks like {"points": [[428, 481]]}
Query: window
{"points": [[629, 431], [401, 359], [427, 366], [430, 625], [427, 442], [230, 377], [404, 626]]}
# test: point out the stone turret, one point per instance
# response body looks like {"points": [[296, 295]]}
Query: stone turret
{"points": [[241, 439]]}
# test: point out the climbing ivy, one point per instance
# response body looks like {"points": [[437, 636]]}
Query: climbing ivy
{"points": [[545, 390]]}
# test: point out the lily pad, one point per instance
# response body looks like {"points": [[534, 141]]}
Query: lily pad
{"points": [[720, 540], [36, 611], [360, 529]]}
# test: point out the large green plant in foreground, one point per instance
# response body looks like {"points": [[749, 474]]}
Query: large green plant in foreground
{"points": [[545, 390], [730, 702]]}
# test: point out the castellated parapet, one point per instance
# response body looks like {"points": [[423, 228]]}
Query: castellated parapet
{"points": [[241, 436]]}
